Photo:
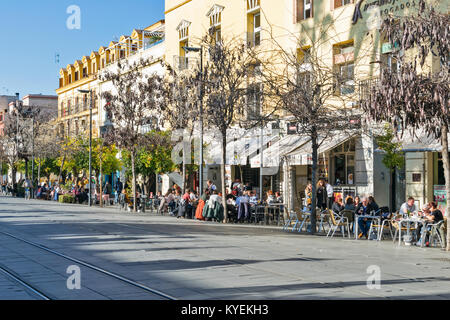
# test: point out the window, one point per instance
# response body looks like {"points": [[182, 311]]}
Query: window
{"points": [[85, 73], [344, 68], [254, 31], [103, 62], [390, 56], [122, 53], [254, 95], [257, 29], [76, 75], [340, 3], [93, 68], [304, 9], [343, 163], [304, 71]]}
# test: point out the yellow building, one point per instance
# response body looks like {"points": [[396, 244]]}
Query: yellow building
{"points": [[73, 106], [345, 37]]}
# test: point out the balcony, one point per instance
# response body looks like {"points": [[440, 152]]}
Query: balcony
{"points": [[185, 63], [366, 86]]}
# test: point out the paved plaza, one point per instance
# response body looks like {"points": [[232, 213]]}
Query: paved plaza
{"points": [[188, 259]]}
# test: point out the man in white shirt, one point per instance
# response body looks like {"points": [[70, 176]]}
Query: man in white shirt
{"points": [[330, 194], [408, 207]]}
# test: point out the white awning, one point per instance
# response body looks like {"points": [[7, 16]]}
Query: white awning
{"points": [[419, 142], [273, 154], [303, 155], [240, 145]]}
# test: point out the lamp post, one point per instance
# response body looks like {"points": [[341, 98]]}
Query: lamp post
{"points": [[200, 49], [90, 142]]}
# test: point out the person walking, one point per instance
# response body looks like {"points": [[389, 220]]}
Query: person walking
{"points": [[28, 185], [119, 188]]}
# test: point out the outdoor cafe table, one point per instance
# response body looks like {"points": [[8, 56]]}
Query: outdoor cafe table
{"points": [[277, 208], [265, 210], [408, 221], [357, 216]]}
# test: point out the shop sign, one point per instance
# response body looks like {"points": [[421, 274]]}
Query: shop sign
{"points": [[387, 47], [292, 128], [385, 7], [440, 196]]}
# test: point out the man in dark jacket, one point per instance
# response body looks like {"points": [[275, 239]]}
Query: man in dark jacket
{"points": [[119, 188]]}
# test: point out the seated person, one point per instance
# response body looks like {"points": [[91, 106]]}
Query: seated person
{"points": [[253, 198], [349, 205], [337, 206], [435, 216], [364, 224], [408, 207], [374, 208], [278, 197], [270, 197]]}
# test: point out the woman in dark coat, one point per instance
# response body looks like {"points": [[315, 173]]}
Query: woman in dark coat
{"points": [[321, 195]]}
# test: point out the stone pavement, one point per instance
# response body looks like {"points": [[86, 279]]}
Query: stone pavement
{"points": [[201, 260]]}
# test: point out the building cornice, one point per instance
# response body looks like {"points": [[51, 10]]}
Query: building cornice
{"points": [[177, 6]]}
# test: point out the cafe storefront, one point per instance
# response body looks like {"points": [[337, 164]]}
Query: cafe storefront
{"points": [[346, 160]]}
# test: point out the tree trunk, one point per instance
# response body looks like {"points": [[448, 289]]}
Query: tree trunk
{"points": [[133, 170], [315, 148], [222, 168], [61, 168], [39, 171], [183, 187], [446, 165], [101, 183]]}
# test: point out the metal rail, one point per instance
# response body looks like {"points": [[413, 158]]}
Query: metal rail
{"points": [[88, 265], [27, 286]]}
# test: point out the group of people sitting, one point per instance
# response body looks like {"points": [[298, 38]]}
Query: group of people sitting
{"points": [[368, 206], [210, 205]]}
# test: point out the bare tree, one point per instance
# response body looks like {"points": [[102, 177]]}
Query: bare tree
{"points": [[311, 92], [181, 98], [412, 96], [132, 106], [225, 78]]}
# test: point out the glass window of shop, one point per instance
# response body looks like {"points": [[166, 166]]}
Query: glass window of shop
{"points": [[439, 178], [343, 163]]}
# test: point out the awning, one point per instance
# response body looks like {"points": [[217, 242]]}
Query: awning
{"points": [[419, 142], [273, 154], [241, 144], [303, 155]]}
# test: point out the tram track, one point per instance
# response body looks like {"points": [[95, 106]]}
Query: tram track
{"points": [[23, 283], [36, 291]]}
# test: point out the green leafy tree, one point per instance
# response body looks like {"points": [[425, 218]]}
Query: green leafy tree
{"points": [[393, 157]]}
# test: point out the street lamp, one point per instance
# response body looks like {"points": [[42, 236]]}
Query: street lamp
{"points": [[195, 49], [90, 143]]}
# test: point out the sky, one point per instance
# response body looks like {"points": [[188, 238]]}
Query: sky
{"points": [[33, 32]]}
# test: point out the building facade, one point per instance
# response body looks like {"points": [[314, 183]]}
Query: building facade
{"points": [[73, 105], [346, 38]]}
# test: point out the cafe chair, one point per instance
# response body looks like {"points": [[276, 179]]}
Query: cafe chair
{"points": [[289, 218], [338, 222], [398, 228], [380, 225], [292, 219], [434, 232], [324, 217]]}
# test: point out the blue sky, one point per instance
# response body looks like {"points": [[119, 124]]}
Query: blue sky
{"points": [[33, 31]]}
